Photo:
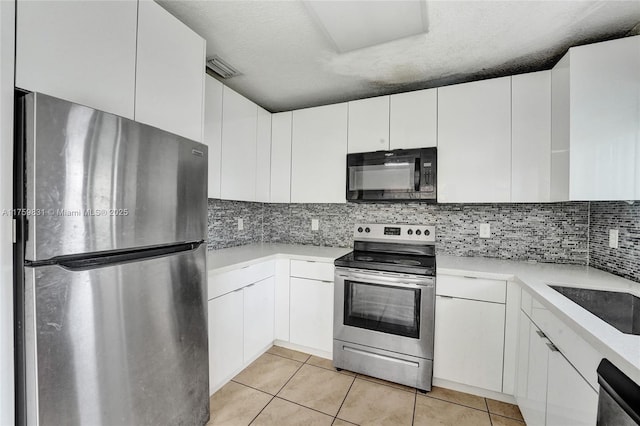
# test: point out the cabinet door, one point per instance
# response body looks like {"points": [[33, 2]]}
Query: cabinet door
{"points": [[258, 317], [522, 364], [282, 300], [469, 342], [169, 73], [311, 321], [534, 406], [225, 338], [414, 119], [213, 132], [281, 157], [474, 142], [239, 126], [531, 137], [319, 154], [369, 125], [263, 156], [83, 52], [570, 399]]}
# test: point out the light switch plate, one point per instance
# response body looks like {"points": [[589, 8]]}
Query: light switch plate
{"points": [[613, 238], [240, 224], [315, 224], [485, 230]]}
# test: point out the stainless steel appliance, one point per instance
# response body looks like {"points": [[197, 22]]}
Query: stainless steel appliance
{"points": [[384, 304], [399, 175], [110, 270], [619, 397]]}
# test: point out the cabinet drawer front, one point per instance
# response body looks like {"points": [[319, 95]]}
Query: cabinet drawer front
{"points": [[226, 282], [320, 271], [471, 288]]}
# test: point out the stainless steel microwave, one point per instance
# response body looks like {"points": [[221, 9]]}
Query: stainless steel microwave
{"points": [[398, 175]]}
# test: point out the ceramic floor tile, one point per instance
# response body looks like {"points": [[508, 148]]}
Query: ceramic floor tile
{"points": [[269, 373], [289, 353], [283, 413], [497, 420], [338, 422], [384, 382], [317, 388], [236, 404], [370, 403], [504, 409], [434, 412], [321, 362], [467, 399]]}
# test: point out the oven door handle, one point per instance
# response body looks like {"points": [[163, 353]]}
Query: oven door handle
{"points": [[396, 281]]}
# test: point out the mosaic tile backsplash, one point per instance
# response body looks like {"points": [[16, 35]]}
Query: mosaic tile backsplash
{"points": [[625, 260], [542, 232]]}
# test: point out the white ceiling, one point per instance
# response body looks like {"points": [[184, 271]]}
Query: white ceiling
{"points": [[287, 60]]}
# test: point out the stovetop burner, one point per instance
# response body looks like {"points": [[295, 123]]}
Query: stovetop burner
{"points": [[389, 262]]}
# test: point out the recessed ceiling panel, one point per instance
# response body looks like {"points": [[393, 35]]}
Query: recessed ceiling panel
{"points": [[352, 25]]}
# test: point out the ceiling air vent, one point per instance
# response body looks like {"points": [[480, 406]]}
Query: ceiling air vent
{"points": [[220, 67]]}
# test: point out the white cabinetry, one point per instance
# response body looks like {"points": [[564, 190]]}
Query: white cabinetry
{"points": [[281, 157], [318, 158], [84, 52], [258, 317], [239, 127], [531, 137], [474, 142], [312, 314], [596, 105], [369, 125], [226, 341], [532, 373], [213, 132], [170, 70], [263, 156], [413, 119], [282, 300]]}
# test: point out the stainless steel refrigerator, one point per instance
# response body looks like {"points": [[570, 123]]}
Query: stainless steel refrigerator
{"points": [[111, 301]]}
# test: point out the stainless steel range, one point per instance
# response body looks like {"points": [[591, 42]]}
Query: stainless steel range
{"points": [[384, 304]]}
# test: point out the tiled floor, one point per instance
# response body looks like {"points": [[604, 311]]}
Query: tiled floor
{"points": [[285, 387]]}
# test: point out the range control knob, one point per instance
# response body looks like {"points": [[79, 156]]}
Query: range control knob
{"points": [[360, 229], [367, 230], [418, 232], [410, 232], [427, 232]]}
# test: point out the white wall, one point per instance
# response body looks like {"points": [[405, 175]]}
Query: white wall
{"points": [[7, 34]]}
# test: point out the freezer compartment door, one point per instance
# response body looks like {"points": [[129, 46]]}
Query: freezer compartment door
{"points": [[123, 344], [99, 182]]}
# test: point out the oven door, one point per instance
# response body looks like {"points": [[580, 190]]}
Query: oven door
{"points": [[385, 310]]}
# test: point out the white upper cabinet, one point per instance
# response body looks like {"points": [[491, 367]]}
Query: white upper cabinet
{"points": [[414, 119], [281, 157], [80, 51], [369, 125], [598, 93], [318, 157], [474, 142], [263, 156], [170, 72], [531, 137], [213, 132], [239, 127]]}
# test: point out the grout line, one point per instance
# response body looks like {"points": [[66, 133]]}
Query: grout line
{"points": [[455, 403], [304, 406], [413, 416], [368, 379], [345, 397]]}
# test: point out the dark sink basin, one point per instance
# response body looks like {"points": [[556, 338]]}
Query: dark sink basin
{"points": [[621, 310]]}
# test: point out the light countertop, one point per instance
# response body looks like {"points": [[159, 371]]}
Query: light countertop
{"points": [[621, 349]]}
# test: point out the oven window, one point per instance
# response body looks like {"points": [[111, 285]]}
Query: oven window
{"points": [[376, 177], [387, 309]]}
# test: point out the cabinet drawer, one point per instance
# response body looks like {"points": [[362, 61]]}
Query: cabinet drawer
{"points": [[226, 282], [471, 288], [321, 271]]}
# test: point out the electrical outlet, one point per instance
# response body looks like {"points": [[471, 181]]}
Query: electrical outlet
{"points": [[613, 238], [485, 230], [240, 224], [315, 224]]}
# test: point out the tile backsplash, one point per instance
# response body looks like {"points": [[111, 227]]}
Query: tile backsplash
{"points": [[624, 260], [223, 218]]}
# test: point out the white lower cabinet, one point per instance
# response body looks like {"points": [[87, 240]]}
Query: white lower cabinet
{"points": [[258, 317], [226, 341], [311, 313], [469, 342], [532, 373]]}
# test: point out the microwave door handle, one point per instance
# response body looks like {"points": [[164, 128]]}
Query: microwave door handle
{"points": [[417, 175]]}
